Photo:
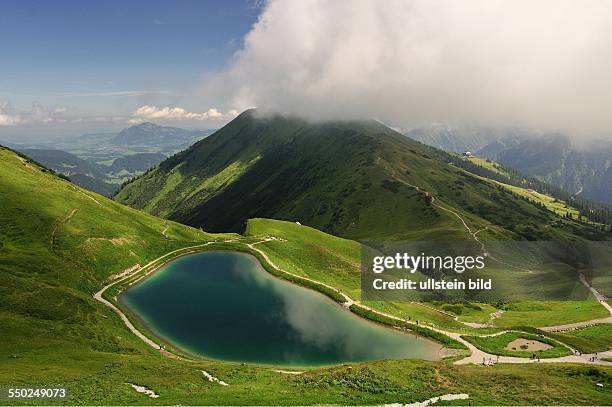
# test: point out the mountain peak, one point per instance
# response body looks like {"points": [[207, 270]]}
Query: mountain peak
{"points": [[256, 117], [145, 125], [146, 133], [344, 177]]}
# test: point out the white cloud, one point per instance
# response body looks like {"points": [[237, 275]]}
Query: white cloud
{"points": [[148, 112], [540, 63], [8, 115], [46, 115], [38, 114], [214, 114]]}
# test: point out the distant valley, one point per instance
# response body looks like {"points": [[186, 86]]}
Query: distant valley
{"points": [[101, 162]]}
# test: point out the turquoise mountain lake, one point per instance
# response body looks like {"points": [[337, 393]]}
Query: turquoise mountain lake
{"points": [[225, 306]]}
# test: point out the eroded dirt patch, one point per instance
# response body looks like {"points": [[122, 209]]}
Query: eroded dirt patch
{"points": [[528, 345], [119, 241]]}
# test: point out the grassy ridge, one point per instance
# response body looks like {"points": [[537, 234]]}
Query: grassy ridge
{"points": [[310, 253], [423, 331], [357, 179]]}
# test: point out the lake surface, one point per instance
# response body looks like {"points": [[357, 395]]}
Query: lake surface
{"points": [[223, 305]]}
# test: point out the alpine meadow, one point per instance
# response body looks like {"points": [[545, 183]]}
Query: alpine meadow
{"points": [[305, 202]]}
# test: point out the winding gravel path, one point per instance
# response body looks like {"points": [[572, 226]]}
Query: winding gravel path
{"points": [[60, 222], [348, 299], [600, 298], [99, 296], [476, 356]]}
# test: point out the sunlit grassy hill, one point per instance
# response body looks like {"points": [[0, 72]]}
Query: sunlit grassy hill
{"points": [[58, 244], [335, 261], [557, 206], [48, 219]]}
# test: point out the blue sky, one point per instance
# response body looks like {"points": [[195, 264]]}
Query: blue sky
{"points": [[104, 64], [109, 57]]}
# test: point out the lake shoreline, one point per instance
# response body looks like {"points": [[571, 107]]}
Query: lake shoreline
{"points": [[439, 353]]}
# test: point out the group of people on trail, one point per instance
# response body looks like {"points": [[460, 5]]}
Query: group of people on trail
{"points": [[408, 320], [489, 362], [533, 357]]}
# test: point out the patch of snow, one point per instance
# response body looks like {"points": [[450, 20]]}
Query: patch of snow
{"points": [[213, 379], [124, 273], [144, 390], [446, 397], [286, 371]]}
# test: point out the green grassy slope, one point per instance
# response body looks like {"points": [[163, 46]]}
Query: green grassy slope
{"points": [[311, 253], [596, 338], [557, 206], [59, 243], [47, 220], [335, 261], [351, 179]]}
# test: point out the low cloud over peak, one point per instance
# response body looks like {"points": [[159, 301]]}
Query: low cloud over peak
{"points": [[543, 64], [148, 112]]}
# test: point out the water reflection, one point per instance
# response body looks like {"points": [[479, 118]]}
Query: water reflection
{"points": [[223, 305]]}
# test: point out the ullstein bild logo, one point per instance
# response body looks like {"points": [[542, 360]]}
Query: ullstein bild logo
{"points": [[467, 270]]}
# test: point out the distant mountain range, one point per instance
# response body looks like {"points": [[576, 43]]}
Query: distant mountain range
{"points": [[355, 179], [549, 157], [463, 138]]}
